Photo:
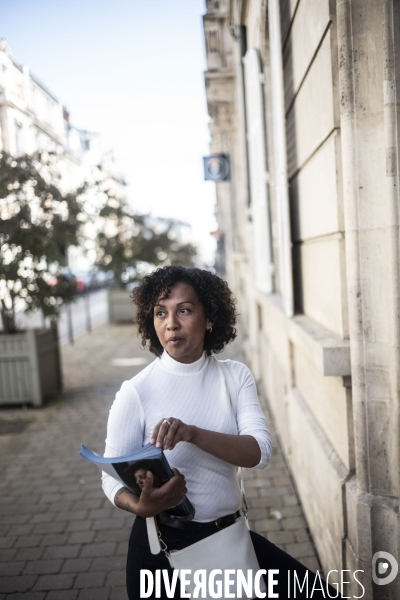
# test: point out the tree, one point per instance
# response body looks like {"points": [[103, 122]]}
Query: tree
{"points": [[37, 225], [131, 244]]}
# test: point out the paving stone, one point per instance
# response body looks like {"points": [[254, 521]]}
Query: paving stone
{"points": [[109, 563], [94, 550], [281, 537], [293, 523], [113, 536], [300, 549], [62, 551], [4, 530], [259, 513], [43, 567], [32, 509], [7, 542], [264, 525], [282, 480], [44, 518], [108, 524], [100, 513], [272, 491], [301, 535], [50, 489], [61, 581], [94, 594], [78, 526], [17, 583], [25, 529], [82, 537], [90, 504], [73, 496], [90, 580], [119, 593], [55, 539], [14, 519], [52, 497], [291, 511], [25, 596], [49, 528], [253, 493], [290, 500], [273, 502], [62, 595], [7, 554], [72, 515], [94, 493], [77, 487], [122, 549], [60, 506], [115, 578], [29, 554], [311, 562], [79, 565], [21, 499], [257, 503], [28, 541], [7, 510], [7, 500], [11, 568]]}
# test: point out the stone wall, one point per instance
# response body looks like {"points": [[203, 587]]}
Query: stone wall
{"points": [[325, 351]]}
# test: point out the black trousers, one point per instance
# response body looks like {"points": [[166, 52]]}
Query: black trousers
{"points": [[269, 557]]}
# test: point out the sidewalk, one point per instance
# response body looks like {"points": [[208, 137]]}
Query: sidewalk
{"points": [[61, 539]]}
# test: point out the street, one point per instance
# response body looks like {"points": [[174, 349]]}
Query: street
{"points": [[97, 302]]}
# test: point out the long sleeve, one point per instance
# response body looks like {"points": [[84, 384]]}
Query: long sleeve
{"points": [[125, 431], [251, 420], [197, 394]]}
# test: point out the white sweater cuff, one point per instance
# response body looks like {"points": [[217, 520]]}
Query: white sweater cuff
{"points": [[265, 449], [110, 486]]}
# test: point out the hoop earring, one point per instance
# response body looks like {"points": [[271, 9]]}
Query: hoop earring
{"points": [[209, 329]]}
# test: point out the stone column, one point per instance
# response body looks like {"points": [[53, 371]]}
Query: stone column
{"points": [[366, 44]]}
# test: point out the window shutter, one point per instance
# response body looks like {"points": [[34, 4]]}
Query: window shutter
{"points": [[258, 175], [279, 135]]}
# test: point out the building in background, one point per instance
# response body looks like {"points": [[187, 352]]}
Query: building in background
{"points": [[33, 119], [302, 96]]}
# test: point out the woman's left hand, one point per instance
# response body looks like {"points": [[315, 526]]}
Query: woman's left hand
{"points": [[169, 431], [238, 450]]}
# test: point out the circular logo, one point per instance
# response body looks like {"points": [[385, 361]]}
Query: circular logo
{"points": [[215, 167], [384, 568]]}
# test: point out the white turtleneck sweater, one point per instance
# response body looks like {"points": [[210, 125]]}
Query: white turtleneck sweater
{"points": [[197, 394]]}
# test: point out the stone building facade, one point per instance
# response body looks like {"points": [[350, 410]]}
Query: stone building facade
{"points": [[33, 119], [302, 96]]}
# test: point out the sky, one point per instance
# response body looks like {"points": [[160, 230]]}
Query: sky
{"points": [[132, 71]]}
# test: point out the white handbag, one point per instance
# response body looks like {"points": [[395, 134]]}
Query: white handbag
{"points": [[229, 549]]}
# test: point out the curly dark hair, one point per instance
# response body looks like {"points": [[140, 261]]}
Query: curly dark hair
{"points": [[212, 291]]}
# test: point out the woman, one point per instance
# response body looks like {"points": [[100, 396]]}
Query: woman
{"points": [[180, 402]]}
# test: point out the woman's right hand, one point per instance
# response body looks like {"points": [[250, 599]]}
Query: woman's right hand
{"points": [[154, 500]]}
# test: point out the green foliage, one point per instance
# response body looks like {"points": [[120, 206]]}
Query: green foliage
{"points": [[37, 225], [130, 245]]}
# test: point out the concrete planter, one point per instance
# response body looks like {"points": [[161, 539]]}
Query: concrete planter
{"points": [[120, 307], [30, 366]]}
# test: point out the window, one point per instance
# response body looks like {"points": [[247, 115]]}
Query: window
{"points": [[18, 139], [212, 41], [258, 174], [279, 145]]}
